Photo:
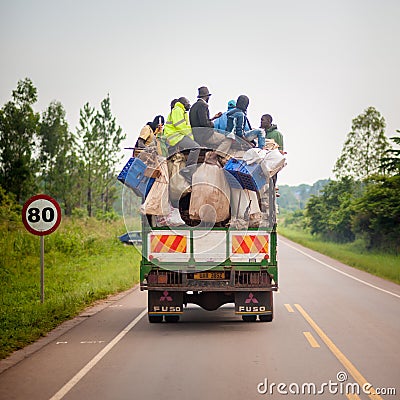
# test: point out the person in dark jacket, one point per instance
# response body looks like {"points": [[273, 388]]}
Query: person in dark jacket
{"points": [[199, 114], [237, 119], [220, 123], [203, 127]]}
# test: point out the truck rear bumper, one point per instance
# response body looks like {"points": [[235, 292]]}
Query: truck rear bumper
{"points": [[209, 288], [233, 281], [247, 302]]}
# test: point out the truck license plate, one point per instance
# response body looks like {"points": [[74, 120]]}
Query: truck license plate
{"points": [[210, 275]]}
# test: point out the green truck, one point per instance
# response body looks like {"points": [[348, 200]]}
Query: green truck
{"points": [[211, 266]]}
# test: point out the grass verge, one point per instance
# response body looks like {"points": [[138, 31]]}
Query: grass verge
{"points": [[384, 265], [84, 262]]}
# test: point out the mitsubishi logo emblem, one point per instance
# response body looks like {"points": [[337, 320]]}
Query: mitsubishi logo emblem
{"points": [[166, 296], [251, 299]]}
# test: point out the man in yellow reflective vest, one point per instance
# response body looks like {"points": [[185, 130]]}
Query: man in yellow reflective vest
{"points": [[179, 136]]}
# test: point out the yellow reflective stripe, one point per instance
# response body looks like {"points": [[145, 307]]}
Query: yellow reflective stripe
{"points": [[171, 138], [179, 122]]}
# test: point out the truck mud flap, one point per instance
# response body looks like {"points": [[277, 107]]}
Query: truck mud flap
{"points": [[165, 302], [253, 303]]}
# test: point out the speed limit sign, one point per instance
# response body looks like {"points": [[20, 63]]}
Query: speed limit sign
{"points": [[41, 215]]}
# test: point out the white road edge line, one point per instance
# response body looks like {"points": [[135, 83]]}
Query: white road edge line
{"points": [[69, 385], [341, 272]]}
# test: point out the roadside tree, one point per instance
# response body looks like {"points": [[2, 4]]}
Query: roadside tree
{"points": [[110, 137], [89, 153], [19, 126], [329, 214], [377, 213], [391, 161], [58, 158], [364, 148]]}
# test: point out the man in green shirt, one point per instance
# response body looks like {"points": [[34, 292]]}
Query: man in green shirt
{"points": [[272, 131]]}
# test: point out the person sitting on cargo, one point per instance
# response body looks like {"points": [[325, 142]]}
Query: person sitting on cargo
{"points": [[179, 136], [149, 132], [236, 122], [220, 123], [203, 127], [272, 131]]}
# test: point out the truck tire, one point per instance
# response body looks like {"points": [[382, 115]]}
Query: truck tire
{"points": [[155, 319], [172, 318], [249, 318], [266, 318]]}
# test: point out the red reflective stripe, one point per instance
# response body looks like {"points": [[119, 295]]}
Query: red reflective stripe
{"points": [[244, 246], [168, 243], [175, 243], [249, 244]]}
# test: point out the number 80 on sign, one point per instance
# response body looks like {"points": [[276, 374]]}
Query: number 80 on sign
{"points": [[41, 215]]}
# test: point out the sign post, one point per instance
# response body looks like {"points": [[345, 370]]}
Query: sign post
{"points": [[41, 215]]}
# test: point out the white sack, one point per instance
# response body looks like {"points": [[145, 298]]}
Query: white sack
{"points": [[209, 201], [178, 186], [245, 210], [157, 200], [172, 219], [240, 201], [271, 161]]}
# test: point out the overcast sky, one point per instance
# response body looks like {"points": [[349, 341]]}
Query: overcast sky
{"points": [[314, 65]]}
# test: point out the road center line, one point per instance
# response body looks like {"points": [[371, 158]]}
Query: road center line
{"points": [[338, 354], [289, 308], [69, 385], [311, 339], [341, 272]]}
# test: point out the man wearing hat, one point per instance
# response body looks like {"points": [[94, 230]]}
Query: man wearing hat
{"points": [[202, 125], [199, 114]]}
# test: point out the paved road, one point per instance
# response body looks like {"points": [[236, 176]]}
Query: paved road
{"points": [[334, 326]]}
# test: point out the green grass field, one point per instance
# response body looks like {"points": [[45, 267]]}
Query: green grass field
{"points": [[386, 266], [84, 262]]}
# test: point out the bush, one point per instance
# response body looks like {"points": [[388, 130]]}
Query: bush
{"points": [[377, 214], [10, 211]]}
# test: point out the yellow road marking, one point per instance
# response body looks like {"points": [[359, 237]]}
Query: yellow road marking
{"points": [[289, 307], [311, 339], [338, 354]]}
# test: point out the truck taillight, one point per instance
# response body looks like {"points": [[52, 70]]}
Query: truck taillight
{"points": [[157, 278], [162, 278]]}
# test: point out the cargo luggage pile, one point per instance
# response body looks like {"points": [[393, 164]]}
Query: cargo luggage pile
{"points": [[224, 191]]}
